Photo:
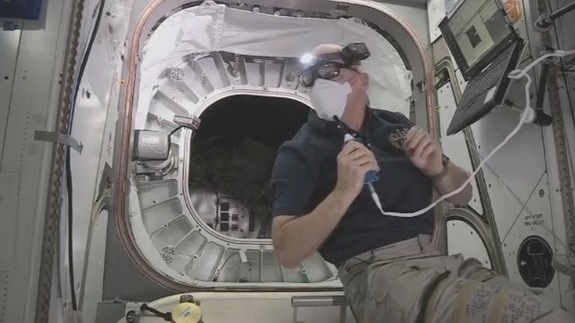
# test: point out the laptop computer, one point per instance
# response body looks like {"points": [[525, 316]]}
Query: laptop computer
{"points": [[485, 47]]}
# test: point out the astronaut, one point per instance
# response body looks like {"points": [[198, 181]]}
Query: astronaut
{"points": [[389, 266]]}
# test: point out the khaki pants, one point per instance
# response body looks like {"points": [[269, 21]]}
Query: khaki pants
{"points": [[409, 281]]}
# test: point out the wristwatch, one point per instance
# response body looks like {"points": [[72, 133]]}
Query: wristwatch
{"points": [[445, 163]]}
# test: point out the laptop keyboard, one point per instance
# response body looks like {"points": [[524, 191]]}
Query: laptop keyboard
{"points": [[489, 78]]}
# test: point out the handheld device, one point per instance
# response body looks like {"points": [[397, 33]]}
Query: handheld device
{"points": [[370, 178]]}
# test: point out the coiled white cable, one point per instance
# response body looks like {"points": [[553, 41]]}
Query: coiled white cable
{"points": [[526, 116]]}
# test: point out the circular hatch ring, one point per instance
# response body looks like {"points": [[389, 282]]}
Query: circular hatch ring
{"points": [[480, 227], [154, 12]]}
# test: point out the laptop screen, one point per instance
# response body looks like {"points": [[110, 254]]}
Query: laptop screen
{"points": [[477, 26]]}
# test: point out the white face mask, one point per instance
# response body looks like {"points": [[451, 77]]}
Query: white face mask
{"points": [[329, 98]]}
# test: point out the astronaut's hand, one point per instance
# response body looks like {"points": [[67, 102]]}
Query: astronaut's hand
{"points": [[358, 83], [353, 162], [423, 151]]}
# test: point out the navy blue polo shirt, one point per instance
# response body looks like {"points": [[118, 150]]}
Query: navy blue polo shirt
{"points": [[305, 173]]}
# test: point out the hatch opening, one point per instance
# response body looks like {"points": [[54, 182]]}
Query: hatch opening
{"points": [[231, 159]]}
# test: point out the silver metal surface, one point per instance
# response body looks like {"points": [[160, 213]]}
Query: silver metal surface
{"points": [[32, 106], [562, 154], [53, 204], [560, 136], [4, 281], [560, 37], [95, 116], [9, 210], [565, 40], [10, 41]]}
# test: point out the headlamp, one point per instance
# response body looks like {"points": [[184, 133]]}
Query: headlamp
{"points": [[307, 59], [314, 65]]}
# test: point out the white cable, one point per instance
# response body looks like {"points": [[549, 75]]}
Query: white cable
{"points": [[515, 74]]}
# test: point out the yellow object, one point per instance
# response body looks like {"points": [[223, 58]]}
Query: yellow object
{"points": [[186, 313]]}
